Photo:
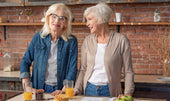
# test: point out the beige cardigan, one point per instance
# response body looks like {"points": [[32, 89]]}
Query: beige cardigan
{"points": [[117, 53]]}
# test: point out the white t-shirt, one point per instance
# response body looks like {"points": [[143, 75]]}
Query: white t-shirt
{"points": [[51, 69], [99, 75]]}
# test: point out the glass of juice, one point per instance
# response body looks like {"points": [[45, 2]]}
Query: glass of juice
{"points": [[69, 84], [27, 91]]}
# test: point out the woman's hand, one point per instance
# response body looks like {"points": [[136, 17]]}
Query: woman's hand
{"points": [[33, 90], [129, 94], [120, 95], [37, 90], [57, 92], [75, 92]]}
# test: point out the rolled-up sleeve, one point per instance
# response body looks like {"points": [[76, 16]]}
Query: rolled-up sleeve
{"points": [[24, 75]]}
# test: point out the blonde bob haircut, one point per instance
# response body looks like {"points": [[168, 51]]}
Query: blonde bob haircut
{"points": [[102, 11], [67, 31]]}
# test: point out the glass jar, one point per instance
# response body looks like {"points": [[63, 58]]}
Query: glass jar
{"points": [[157, 16], [8, 64]]}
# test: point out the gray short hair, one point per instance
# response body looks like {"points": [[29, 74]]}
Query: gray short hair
{"points": [[102, 11], [46, 29]]}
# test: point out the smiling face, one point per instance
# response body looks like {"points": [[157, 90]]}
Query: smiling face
{"points": [[57, 21], [92, 23]]}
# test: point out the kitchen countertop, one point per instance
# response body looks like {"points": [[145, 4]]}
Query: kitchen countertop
{"points": [[14, 76], [9, 76], [75, 98], [143, 84], [149, 79]]}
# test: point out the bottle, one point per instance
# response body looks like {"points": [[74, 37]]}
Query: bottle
{"points": [[0, 96], [157, 16]]}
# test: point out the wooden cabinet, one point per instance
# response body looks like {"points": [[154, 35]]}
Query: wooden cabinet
{"points": [[10, 81], [10, 84], [4, 3], [43, 2], [152, 90], [9, 94], [148, 86]]}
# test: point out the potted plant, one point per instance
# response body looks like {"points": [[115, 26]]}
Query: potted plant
{"points": [[28, 13], [157, 16]]}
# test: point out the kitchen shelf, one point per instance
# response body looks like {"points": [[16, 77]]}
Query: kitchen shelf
{"points": [[132, 23], [83, 24], [77, 24], [141, 23]]}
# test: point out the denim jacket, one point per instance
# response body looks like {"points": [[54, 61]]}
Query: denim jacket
{"points": [[38, 52]]}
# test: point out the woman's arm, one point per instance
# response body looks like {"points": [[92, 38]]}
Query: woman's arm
{"points": [[128, 70], [79, 82], [72, 60], [27, 85], [28, 58]]}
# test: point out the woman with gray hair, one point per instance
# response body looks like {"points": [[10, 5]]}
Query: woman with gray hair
{"points": [[53, 52], [104, 52]]}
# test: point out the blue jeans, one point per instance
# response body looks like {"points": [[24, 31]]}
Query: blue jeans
{"points": [[97, 90], [50, 89]]}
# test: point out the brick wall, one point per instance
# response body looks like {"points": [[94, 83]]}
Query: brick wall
{"points": [[145, 59]]}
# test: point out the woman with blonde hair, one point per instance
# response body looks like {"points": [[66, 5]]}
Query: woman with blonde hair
{"points": [[104, 52], [53, 52]]}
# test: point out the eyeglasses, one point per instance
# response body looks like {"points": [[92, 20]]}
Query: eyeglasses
{"points": [[60, 18]]}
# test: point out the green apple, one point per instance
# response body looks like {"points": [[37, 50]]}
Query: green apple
{"points": [[127, 98], [120, 99]]}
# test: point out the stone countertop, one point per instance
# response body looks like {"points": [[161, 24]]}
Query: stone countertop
{"points": [[48, 97]]}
